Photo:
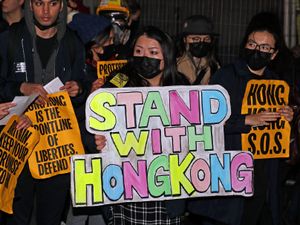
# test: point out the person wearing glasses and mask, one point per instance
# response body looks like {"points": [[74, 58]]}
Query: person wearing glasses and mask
{"points": [[251, 127], [196, 50]]}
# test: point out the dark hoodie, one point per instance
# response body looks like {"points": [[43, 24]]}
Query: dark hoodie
{"points": [[61, 30], [24, 64]]}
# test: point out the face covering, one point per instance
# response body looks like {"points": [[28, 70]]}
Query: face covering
{"points": [[200, 49], [109, 52], [42, 27], [122, 34], [146, 67], [256, 59]]}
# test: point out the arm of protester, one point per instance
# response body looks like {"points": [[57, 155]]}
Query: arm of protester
{"points": [[31, 88], [100, 141], [4, 108], [24, 122]]}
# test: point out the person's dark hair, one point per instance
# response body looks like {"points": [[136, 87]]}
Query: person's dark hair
{"points": [[100, 40], [170, 74], [268, 21], [133, 6], [264, 21]]}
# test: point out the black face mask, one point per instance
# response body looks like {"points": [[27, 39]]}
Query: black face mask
{"points": [[109, 52], [200, 49], [43, 27], [256, 59], [146, 67]]}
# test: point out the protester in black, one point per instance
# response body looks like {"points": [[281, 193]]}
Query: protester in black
{"points": [[12, 12], [43, 48], [259, 48]]}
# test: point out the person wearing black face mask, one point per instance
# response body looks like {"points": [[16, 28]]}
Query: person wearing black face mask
{"points": [[97, 33], [196, 50], [152, 64], [258, 101]]}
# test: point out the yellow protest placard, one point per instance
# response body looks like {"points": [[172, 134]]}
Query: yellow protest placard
{"points": [[15, 148], [271, 141], [59, 136], [105, 68]]}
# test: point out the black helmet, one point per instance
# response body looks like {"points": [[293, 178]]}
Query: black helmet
{"points": [[198, 24]]}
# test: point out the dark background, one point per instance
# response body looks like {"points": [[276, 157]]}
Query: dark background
{"points": [[230, 18]]}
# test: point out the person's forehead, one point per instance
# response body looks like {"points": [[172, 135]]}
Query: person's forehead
{"points": [[262, 36], [198, 35], [46, 1], [144, 41]]}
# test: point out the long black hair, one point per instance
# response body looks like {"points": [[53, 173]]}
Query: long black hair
{"points": [[170, 75]]}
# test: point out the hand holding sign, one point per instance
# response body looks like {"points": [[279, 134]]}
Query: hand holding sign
{"points": [[30, 88], [4, 108], [261, 118], [287, 112], [97, 84], [72, 87], [24, 122], [100, 141]]}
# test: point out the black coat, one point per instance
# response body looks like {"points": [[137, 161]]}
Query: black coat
{"points": [[230, 210]]}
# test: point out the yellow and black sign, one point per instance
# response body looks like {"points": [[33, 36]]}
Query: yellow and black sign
{"points": [[15, 148], [272, 140], [105, 68], [59, 136]]}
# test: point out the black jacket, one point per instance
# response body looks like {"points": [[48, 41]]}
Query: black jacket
{"points": [[20, 68], [230, 210]]}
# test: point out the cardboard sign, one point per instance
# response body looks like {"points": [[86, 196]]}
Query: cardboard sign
{"points": [[105, 68], [60, 136], [162, 143], [15, 148], [273, 140]]}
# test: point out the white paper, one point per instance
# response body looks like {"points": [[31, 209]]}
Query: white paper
{"points": [[22, 102], [53, 86]]}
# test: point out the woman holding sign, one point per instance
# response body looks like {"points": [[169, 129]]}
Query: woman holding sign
{"points": [[259, 123], [153, 64]]}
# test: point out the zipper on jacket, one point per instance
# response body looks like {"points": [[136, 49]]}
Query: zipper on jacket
{"points": [[24, 57]]}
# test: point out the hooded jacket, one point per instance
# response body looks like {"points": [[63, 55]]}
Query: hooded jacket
{"points": [[20, 61]]}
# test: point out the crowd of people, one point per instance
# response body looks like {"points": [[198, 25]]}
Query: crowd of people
{"points": [[44, 39]]}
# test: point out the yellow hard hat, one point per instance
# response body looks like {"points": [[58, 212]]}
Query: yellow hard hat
{"points": [[107, 6]]}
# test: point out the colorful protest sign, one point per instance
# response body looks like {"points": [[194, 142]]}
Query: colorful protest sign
{"points": [[273, 140], [59, 136], [162, 143], [15, 148], [105, 68]]}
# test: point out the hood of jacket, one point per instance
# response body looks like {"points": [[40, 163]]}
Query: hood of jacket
{"points": [[61, 20]]}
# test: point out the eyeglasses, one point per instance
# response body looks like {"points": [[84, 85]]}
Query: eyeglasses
{"points": [[263, 47]]}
